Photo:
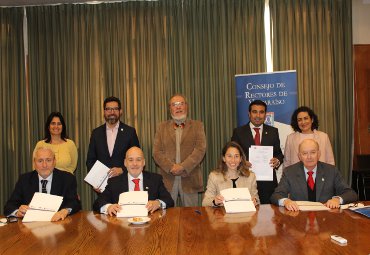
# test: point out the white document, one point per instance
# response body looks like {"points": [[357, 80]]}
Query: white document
{"points": [[237, 200], [98, 176], [311, 206], [42, 207], [260, 157], [133, 204]]}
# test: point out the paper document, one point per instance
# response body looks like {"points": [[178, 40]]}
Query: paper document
{"points": [[311, 206], [365, 210], [98, 176], [259, 157], [133, 204], [42, 207], [237, 200]]}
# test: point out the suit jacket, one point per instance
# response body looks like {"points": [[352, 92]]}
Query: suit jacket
{"points": [[292, 143], [216, 183], [63, 184], [152, 183], [193, 149], [328, 183], [98, 147], [270, 137]]}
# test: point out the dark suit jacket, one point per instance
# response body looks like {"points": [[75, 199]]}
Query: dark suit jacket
{"points": [[63, 184], [98, 147], [270, 137], [328, 183], [152, 183]]}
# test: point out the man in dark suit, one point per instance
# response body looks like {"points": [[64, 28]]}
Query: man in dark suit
{"points": [[312, 180], [135, 179], [58, 183], [110, 141], [256, 132]]}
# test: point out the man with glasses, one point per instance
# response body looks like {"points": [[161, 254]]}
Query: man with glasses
{"points": [[312, 180], [179, 148], [46, 179], [110, 142]]}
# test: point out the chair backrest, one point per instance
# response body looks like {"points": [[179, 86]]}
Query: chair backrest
{"points": [[363, 163]]}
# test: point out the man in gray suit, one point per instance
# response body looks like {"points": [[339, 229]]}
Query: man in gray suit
{"points": [[312, 180]]}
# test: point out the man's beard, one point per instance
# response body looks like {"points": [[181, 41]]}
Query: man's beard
{"points": [[179, 119], [112, 119]]}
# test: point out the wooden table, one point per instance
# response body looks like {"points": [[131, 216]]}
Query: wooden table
{"points": [[193, 230]]}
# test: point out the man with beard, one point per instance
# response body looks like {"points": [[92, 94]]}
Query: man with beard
{"points": [[110, 142], [256, 132], [179, 148]]}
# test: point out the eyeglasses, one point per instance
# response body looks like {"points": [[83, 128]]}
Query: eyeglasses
{"points": [[174, 104], [109, 109]]}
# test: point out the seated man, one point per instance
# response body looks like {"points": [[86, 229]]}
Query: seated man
{"points": [[312, 180], [135, 179], [46, 179]]}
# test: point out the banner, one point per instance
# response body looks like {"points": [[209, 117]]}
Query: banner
{"points": [[277, 89]]}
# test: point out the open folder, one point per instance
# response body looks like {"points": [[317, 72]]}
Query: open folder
{"points": [[133, 204], [237, 200], [98, 176], [42, 207]]}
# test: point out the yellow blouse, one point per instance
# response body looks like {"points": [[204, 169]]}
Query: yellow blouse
{"points": [[65, 154]]}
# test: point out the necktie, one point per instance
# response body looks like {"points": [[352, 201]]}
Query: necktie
{"points": [[310, 181], [181, 125], [257, 137], [44, 182], [137, 187]]}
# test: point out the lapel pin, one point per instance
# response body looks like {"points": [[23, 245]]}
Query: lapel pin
{"points": [[121, 129], [323, 179], [146, 188]]}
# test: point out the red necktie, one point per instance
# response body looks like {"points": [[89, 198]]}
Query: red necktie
{"points": [[137, 187], [257, 137], [310, 181]]}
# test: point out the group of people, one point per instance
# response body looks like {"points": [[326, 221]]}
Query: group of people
{"points": [[178, 150]]}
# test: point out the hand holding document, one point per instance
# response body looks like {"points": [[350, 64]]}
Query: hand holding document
{"points": [[42, 207], [133, 204], [237, 200], [311, 206], [259, 157], [98, 176]]}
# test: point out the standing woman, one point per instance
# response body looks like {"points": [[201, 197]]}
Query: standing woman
{"points": [[56, 138], [305, 124], [231, 173]]}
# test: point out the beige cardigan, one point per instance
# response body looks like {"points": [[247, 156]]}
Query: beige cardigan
{"points": [[292, 144], [216, 183]]}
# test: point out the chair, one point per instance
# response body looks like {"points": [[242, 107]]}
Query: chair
{"points": [[363, 173]]}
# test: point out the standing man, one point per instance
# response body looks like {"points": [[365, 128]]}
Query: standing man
{"points": [[255, 132], [46, 179], [110, 142], [179, 148], [312, 180]]}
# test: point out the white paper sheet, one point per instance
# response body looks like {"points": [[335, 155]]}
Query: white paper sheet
{"points": [[133, 211], [42, 207], [260, 157], [98, 176], [45, 202], [133, 204], [311, 206], [237, 200]]}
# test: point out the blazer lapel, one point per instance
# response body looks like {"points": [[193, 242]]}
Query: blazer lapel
{"points": [[302, 183], [55, 183], [119, 138], [103, 135], [34, 183], [170, 131], [146, 182], [186, 129], [250, 138], [265, 135], [320, 181]]}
